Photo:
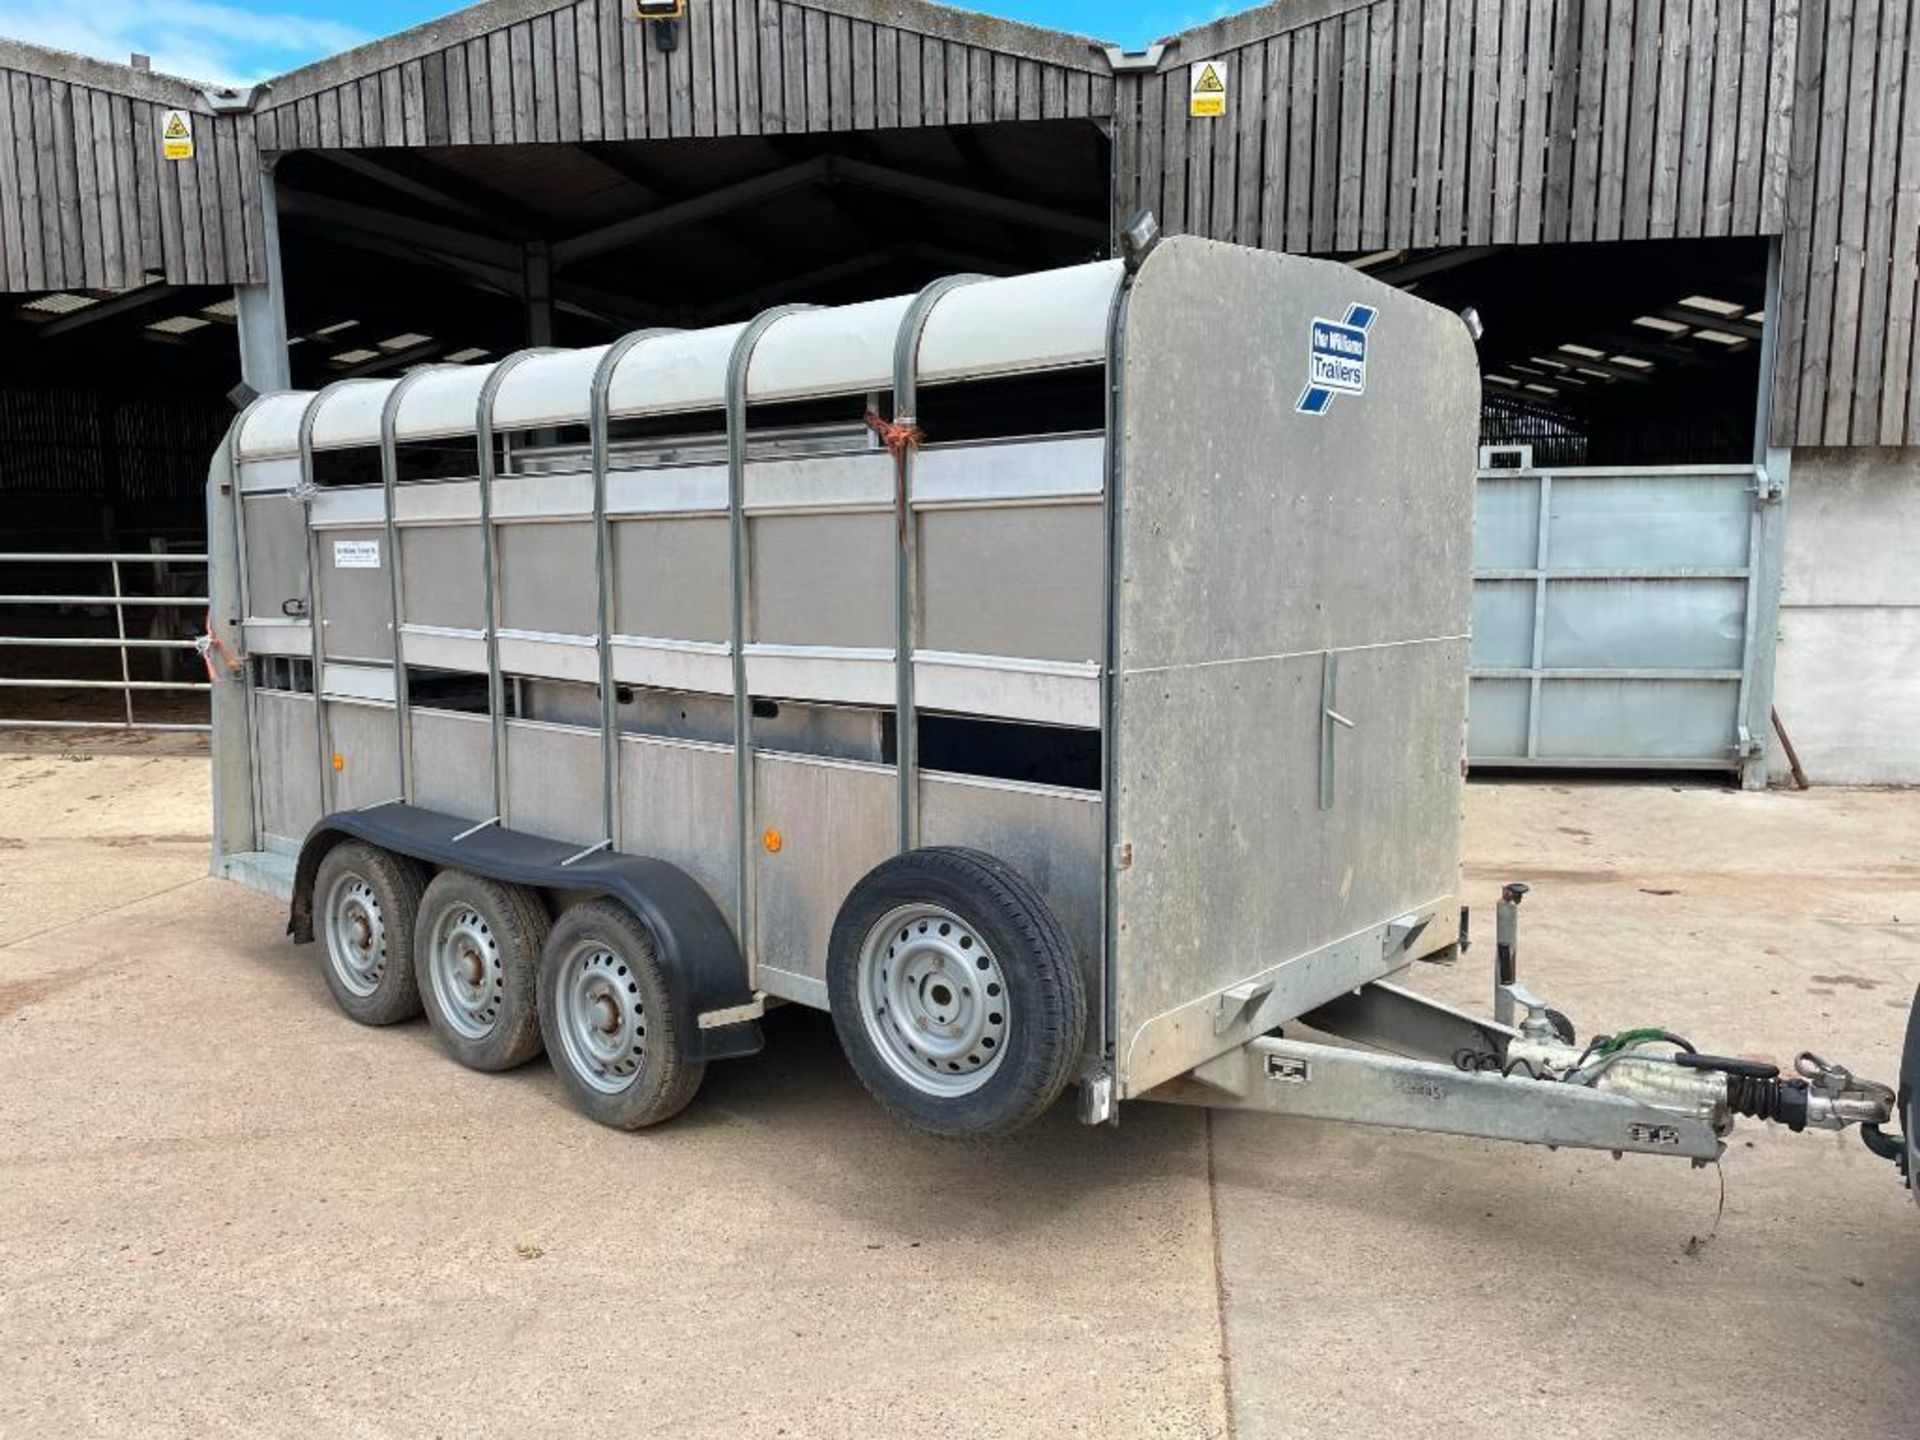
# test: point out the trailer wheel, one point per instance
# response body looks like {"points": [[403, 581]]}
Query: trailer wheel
{"points": [[608, 1020], [369, 901], [955, 993], [476, 954]]}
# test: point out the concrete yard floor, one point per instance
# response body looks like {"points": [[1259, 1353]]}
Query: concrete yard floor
{"points": [[228, 1210]]}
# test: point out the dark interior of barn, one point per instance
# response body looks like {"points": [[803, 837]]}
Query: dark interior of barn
{"points": [[1619, 354]]}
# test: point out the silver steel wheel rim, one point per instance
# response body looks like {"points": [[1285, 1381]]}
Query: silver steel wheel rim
{"points": [[356, 933], [463, 967], [934, 1000], [600, 1017]]}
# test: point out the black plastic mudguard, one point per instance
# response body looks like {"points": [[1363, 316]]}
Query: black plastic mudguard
{"points": [[696, 944]]}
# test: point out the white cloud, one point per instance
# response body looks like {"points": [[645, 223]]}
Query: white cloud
{"points": [[215, 43]]}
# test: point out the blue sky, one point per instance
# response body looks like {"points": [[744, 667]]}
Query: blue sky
{"points": [[230, 40]]}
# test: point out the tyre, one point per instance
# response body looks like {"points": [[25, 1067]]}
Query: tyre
{"points": [[957, 998], [367, 902], [607, 1017], [476, 956]]}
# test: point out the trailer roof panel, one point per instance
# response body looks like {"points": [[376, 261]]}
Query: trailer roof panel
{"points": [[550, 389], [447, 402], [673, 374], [350, 414], [840, 350], [1044, 321], [1031, 322]]}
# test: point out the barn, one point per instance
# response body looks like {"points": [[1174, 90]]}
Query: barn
{"points": [[1688, 228]]}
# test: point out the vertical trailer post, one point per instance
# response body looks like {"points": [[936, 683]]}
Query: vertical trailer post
{"points": [[740, 563], [489, 562], [1097, 1099], [242, 595], [306, 492], [389, 481], [906, 580], [603, 562]]}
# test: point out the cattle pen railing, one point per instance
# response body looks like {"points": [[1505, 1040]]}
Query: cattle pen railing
{"points": [[163, 566]]}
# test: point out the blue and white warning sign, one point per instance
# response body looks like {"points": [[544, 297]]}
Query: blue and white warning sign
{"points": [[1336, 359]]}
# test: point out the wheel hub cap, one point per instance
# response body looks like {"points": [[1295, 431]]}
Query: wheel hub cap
{"points": [[933, 999], [356, 934], [600, 1017], [464, 967]]}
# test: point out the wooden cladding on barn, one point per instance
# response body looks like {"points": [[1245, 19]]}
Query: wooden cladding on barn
{"points": [[88, 201], [1419, 123], [1340, 127], [588, 72], [1849, 371]]}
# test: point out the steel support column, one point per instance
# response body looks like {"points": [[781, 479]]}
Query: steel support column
{"points": [[262, 309], [1766, 563]]}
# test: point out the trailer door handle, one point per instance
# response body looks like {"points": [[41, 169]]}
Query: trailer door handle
{"points": [[1330, 718]]}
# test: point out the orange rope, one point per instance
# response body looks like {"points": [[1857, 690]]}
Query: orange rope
{"points": [[897, 435], [902, 438], [210, 642]]}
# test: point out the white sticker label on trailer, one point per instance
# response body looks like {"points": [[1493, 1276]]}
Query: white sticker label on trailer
{"points": [[356, 554], [1336, 358]]}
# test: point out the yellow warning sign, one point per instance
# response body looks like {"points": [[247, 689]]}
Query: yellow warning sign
{"points": [[176, 135], [1207, 97]]}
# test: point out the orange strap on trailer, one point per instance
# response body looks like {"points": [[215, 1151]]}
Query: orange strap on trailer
{"points": [[901, 437], [210, 643]]}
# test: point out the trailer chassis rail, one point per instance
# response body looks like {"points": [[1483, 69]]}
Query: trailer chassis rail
{"points": [[1330, 1082]]}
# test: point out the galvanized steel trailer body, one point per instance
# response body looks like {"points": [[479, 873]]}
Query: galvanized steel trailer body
{"points": [[1256, 617]]}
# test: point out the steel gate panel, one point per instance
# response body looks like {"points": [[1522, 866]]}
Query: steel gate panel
{"points": [[1614, 613]]}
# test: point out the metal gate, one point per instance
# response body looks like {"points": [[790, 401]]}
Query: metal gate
{"points": [[1623, 617], [164, 580]]}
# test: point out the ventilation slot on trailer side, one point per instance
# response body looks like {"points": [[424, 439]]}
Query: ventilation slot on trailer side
{"points": [[423, 460], [1048, 402], [454, 690], [352, 465], [1056, 755], [283, 674]]}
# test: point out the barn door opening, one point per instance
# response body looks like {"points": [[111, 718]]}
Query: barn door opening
{"points": [[1626, 552]]}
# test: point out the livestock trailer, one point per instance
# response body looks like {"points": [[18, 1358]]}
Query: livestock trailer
{"points": [[1061, 679]]}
